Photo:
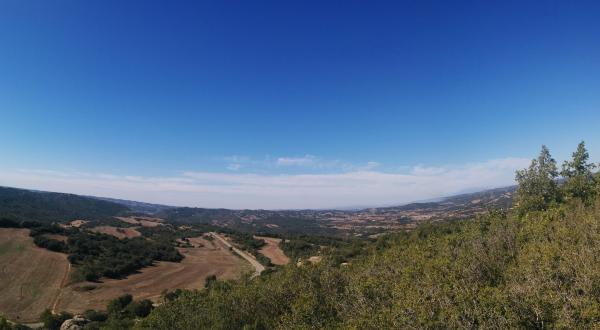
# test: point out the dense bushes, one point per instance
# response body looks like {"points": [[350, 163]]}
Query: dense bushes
{"points": [[50, 244], [296, 248], [339, 249]]}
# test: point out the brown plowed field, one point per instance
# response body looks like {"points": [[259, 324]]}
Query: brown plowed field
{"points": [[117, 232], [272, 250], [30, 277]]}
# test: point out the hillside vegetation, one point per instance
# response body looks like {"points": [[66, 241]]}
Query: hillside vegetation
{"points": [[46, 207], [533, 267]]}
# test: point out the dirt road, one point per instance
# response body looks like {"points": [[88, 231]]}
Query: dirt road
{"points": [[257, 266], [63, 283]]}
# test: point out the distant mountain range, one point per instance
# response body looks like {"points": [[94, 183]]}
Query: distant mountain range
{"points": [[368, 220]]}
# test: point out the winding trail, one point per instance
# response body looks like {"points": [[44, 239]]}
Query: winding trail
{"points": [[63, 283], [257, 266]]}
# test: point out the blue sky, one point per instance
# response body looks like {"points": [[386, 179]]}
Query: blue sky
{"points": [[291, 104]]}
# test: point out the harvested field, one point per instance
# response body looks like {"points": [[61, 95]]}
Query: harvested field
{"points": [[129, 220], [199, 263], [117, 232], [272, 250], [30, 277], [200, 242], [75, 223], [142, 221]]}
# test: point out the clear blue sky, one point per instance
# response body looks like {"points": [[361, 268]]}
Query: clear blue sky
{"points": [[157, 89]]}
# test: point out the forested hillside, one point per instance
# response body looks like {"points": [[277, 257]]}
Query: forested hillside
{"points": [[533, 267], [46, 207]]}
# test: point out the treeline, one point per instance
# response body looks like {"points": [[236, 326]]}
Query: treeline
{"points": [[247, 242], [531, 268]]}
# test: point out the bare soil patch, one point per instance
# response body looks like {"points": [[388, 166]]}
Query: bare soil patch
{"points": [[272, 250], [198, 264], [30, 277], [117, 232]]}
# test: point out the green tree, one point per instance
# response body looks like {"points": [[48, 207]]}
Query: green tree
{"points": [[537, 184], [4, 325], [52, 321], [580, 180], [117, 305], [140, 308], [210, 280]]}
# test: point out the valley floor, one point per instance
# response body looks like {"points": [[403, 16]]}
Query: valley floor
{"points": [[31, 278]]}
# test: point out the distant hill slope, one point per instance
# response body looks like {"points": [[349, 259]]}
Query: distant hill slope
{"points": [[370, 220], [21, 205], [139, 207]]}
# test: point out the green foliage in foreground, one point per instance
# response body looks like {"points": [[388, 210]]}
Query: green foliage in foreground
{"points": [[539, 187], [497, 271]]}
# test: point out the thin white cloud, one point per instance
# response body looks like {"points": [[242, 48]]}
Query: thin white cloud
{"points": [[292, 163], [307, 160], [247, 190], [371, 165], [234, 167]]}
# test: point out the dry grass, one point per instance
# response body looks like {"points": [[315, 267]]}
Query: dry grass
{"points": [[119, 233], [30, 277], [272, 250], [315, 259], [199, 263]]}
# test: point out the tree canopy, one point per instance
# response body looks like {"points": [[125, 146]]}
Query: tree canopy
{"points": [[537, 184]]}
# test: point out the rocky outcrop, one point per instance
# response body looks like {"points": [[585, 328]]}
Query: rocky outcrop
{"points": [[76, 323]]}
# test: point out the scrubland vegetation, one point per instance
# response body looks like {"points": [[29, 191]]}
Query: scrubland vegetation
{"points": [[535, 266]]}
